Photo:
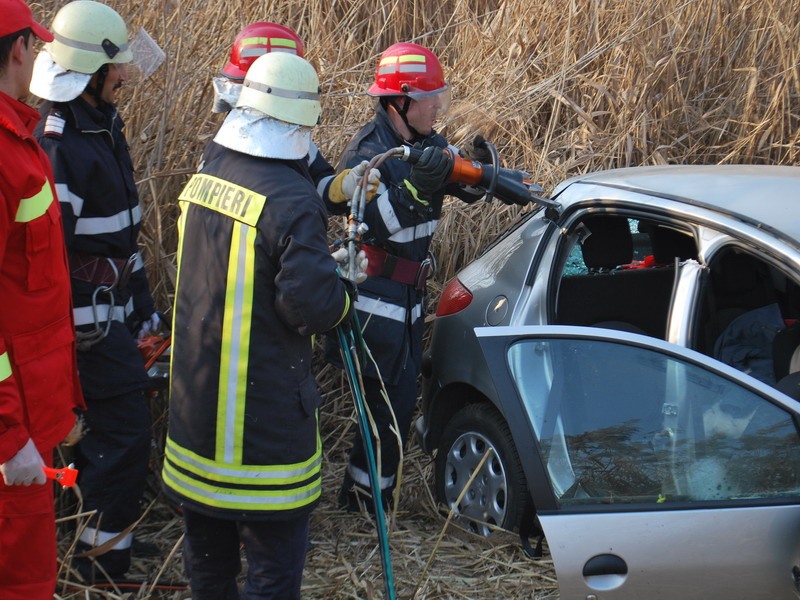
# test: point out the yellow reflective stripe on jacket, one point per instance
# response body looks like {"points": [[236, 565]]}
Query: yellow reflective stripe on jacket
{"points": [[227, 198], [5, 366], [35, 206], [233, 366], [250, 475], [232, 499]]}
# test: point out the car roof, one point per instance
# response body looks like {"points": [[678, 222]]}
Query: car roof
{"points": [[762, 194]]}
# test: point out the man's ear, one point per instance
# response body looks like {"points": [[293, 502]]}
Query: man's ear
{"points": [[19, 48]]}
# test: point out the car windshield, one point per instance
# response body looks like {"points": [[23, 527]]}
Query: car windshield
{"points": [[618, 423]]}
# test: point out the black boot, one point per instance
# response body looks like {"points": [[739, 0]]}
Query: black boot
{"points": [[354, 497]]}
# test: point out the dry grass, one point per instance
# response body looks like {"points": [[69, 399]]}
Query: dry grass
{"points": [[561, 88]]}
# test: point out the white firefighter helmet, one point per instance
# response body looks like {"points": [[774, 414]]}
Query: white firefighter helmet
{"points": [[87, 36], [284, 87]]}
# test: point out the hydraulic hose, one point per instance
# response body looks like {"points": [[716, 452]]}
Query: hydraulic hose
{"points": [[348, 340]]}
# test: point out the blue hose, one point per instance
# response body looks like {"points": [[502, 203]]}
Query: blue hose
{"points": [[349, 358]]}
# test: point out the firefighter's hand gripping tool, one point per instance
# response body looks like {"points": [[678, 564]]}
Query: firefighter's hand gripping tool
{"points": [[66, 476], [511, 186]]}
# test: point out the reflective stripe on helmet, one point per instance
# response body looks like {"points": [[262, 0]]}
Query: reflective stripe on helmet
{"points": [[265, 41], [283, 93], [99, 48]]}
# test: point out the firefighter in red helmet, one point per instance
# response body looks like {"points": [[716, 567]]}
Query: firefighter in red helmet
{"points": [[256, 40], [411, 95]]}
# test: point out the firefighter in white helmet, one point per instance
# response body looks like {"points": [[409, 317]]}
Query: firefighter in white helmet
{"points": [[79, 75], [243, 454], [257, 39]]}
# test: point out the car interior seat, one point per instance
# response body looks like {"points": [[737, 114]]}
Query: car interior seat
{"points": [[786, 360], [743, 314], [738, 283], [609, 296], [609, 245], [668, 244]]}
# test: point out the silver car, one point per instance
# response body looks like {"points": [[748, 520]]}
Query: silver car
{"points": [[626, 368]]}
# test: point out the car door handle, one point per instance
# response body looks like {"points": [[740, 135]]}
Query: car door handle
{"points": [[605, 564]]}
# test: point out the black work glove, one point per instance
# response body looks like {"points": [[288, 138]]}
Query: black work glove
{"points": [[430, 173], [477, 150]]}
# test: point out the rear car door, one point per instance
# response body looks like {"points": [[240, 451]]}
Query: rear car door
{"points": [[657, 472]]}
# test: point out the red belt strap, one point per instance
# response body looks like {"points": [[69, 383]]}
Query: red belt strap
{"points": [[98, 270], [383, 264]]}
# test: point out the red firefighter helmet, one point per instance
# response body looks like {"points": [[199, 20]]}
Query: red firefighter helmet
{"points": [[257, 39], [407, 69]]}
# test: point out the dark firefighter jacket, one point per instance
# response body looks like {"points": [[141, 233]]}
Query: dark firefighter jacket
{"points": [[390, 312], [100, 207], [255, 282]]}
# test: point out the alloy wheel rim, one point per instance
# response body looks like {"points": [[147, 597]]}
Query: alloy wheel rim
{"points": [[483, 506]]}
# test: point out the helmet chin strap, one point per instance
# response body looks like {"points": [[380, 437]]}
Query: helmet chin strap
{"points": [[96, 91], [401, 110]]}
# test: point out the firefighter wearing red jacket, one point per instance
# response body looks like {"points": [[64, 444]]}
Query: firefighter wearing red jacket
{"points": [[38, 374]]}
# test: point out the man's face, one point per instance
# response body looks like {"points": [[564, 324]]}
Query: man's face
{"points": [[424, 111], [117, 75]]}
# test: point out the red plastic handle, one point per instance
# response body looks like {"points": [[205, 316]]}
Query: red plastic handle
{"points": [[66, 476]]}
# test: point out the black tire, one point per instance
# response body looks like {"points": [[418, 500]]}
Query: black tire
{"points": [[498, 495]]}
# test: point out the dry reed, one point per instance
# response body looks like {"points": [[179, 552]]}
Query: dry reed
{"points": [[561, 88]]}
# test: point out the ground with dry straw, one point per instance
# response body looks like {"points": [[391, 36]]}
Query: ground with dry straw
{"points": [[561, 88]]}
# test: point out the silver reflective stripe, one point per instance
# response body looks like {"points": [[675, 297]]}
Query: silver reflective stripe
{"points": [[253, 51], [255, 498], [412, 68], [259, 476], [84, 315], [409, 234], [138, 265], [65, 196], [112, 224], [403, 68], [313, 152], [323, 183], [97, 537], [281, 92], [86, 45], [361, 477], [387, 310], [390, 220]]}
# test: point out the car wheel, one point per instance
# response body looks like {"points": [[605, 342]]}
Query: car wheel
{"points": [[498, 492]]}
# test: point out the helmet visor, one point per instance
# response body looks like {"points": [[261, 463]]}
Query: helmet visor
{"points": [[437, 101], [226, 94], [147, 57]]}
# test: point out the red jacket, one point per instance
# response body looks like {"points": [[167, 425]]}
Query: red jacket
{"points": [[38, 370]]}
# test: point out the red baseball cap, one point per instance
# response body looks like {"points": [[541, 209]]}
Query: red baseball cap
{"points": [[15, 16]]}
